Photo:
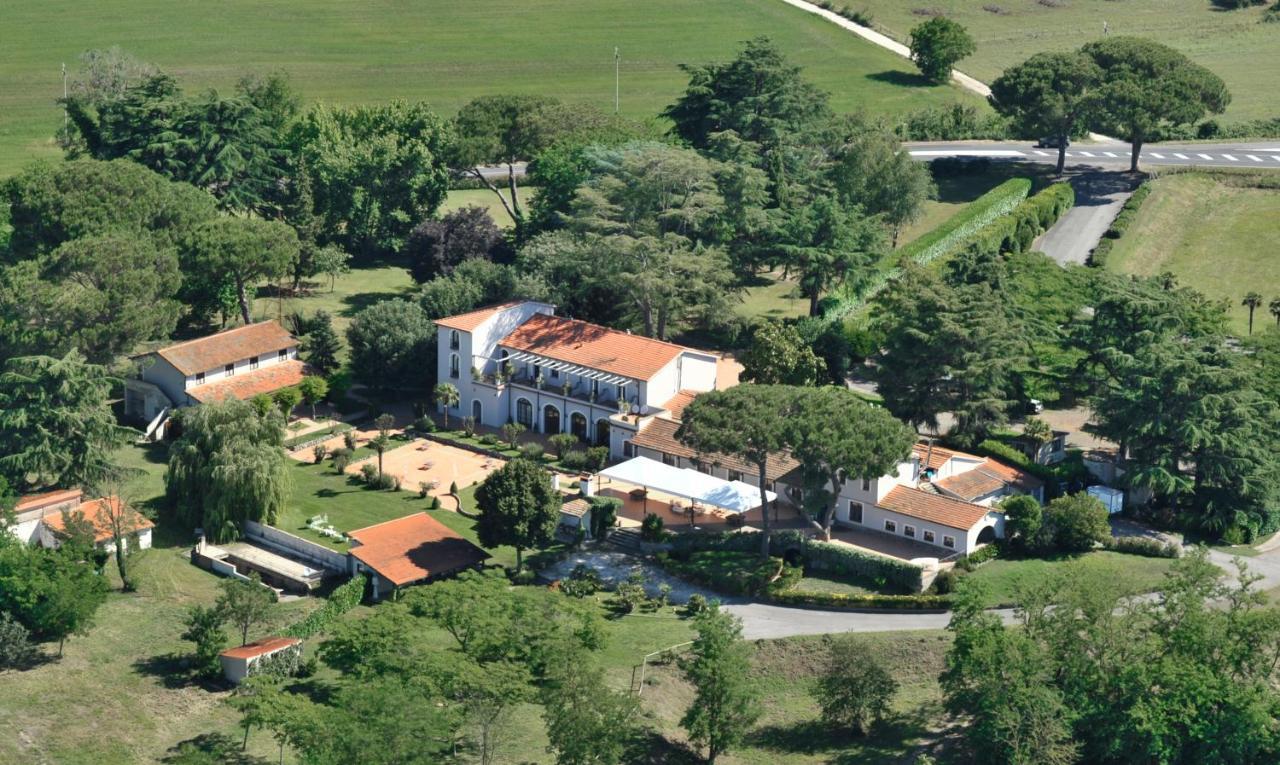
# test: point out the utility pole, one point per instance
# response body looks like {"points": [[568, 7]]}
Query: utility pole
{"points": [[616, 78], [65, 118]]}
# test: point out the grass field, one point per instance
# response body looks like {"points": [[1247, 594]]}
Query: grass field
{"points": [[459, 198], [1216, 238], [1235, 45], [441, 51], [1003, 577]]}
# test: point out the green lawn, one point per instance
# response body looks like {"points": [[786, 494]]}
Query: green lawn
{"points": [[1234, 44], [772, 297], [357, 289], [459, 198], [814, 583], [1216, 238], [441, 51], [1003, 577]]}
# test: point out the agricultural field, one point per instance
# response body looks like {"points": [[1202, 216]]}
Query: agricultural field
{"points": [[1220, 239], [1236, 45], [440, 51]]}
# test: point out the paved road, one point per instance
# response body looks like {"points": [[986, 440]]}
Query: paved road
{"points": [[1112, 156], [1099, 197], [760, 621]]}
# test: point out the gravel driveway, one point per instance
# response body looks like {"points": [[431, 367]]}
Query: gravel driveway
{"points": [[615, 567]]}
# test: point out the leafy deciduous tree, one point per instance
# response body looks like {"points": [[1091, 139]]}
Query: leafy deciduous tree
{"points": [[517, 507]]}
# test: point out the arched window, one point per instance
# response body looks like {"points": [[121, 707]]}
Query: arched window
{"points": [[602, 432], [454, 340], [453, 365], [524, 412], [578, 425], [476, 410], [550, 420]]}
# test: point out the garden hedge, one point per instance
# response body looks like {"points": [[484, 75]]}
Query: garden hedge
{"points": [[1128, 212], [316, 436], [825, 557], [344, 598], [834, 600]]}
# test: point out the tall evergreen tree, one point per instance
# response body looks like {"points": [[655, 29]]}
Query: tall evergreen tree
{"points": [[726, 701], [56, 423], [320, 345]]}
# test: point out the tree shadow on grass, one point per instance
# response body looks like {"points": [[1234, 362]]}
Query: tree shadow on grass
{"points": [[888, 741], [174, 671], [652, 748], [354, 304], [210, 749], [901, 78]]}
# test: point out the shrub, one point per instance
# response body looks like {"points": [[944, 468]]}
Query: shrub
{"points": [[488, 439], [971, 561], [1128, 212], [604, 513], [435, 503], [426, 487], [424, 424], [341, 458], [369, 473], [561, 443], [532, 452], [1022, 519], [945, 582], [651, 528], [469, 426], [1074, 523], [349, 440], [630, 594], [1151, 548], [453, 488], [511, 433], [583, 581], [16, 649], [597, 456], [856, 691], [319, 452], [575, 460], [696, 604]]}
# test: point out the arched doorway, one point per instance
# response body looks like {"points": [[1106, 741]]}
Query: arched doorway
{"points": [[987, 535], [524, 412], [602, 432], [550, 420], [578, 425], [476, 410]]}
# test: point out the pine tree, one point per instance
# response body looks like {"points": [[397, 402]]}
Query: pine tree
{"points": [[321, 346], [727, 702]]}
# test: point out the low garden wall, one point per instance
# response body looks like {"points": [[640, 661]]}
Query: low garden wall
{"points": [[329, 559]]}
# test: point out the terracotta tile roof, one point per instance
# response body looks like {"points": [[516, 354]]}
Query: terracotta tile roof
{"points": [[269, 378], [988, 477], [95, 511], [218, 350], [576, 507], [260, 647], [936, 459], [675, 406], [660, 435], [414, 548], [471, 320], [934, 508], [44, 499], [590, 345]]}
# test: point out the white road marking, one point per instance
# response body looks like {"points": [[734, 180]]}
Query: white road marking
{"points": [[1042, 153], [1228, 156], [1157, 156], [1085, 154], [1109, 153], [966, 153], [1254, 157], [1180, 156], [1204, 156]]}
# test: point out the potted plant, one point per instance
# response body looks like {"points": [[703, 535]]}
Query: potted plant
{"points": [[539, 381]]}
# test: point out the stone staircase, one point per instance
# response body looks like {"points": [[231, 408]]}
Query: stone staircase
{"points": [[627, 540]]}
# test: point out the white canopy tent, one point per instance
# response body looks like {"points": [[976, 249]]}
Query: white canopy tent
{"points": [[734, 496]]}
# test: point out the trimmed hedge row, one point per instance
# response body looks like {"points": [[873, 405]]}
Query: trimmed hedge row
{"points": [[962, 227], [731, 572], [838, 600], [826, 557], [1016, 231], [316, 436], [1098, 258], [1146, 546], [344, 598], [955, 233]]}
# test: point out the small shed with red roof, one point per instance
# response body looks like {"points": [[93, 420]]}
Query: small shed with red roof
{"points": [[411, 550], [238, 663]]}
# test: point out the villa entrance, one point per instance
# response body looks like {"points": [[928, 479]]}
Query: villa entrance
{"points": [[578, 425], [550, 420]]}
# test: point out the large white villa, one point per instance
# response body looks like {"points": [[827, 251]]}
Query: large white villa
{"points": [[519, 362]]}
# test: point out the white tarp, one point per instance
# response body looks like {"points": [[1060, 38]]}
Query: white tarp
{"points": [[735, 496]]}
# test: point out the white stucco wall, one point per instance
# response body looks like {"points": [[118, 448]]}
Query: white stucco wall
{"points": [[697, 371]]}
